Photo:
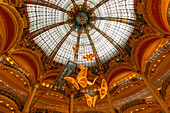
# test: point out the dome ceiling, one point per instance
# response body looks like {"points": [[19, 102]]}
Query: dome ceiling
{"points": [[99, 27]]}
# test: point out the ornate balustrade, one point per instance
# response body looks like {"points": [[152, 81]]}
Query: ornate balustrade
{"points": [[57, 90], [149, 103], [165, 85], [158, 52], [131, 104], [155, 55], [124, 83], [17, 69], [135, 103], [11, 95]]}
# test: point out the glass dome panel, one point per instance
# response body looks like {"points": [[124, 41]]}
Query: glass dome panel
{"points": [[42, 16]]}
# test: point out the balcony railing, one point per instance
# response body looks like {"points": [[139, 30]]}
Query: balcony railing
{"points": [[159, 51], [155, 55], [124, 83], [20, 70], [165, 85], [137, 102], [11, 95], [57, 90], [131, 104]]}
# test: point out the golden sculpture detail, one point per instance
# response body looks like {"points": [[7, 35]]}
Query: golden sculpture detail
{"points": [[91, 83], [72, 81], [90, 56], [91, 100], [88, 82], [81, 78], [94, 100], [103, 90]]}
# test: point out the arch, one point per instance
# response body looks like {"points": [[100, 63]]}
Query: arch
{"points": [[144, 47], [30, 61], [118, 71], [14, 81], [50, 76], [11, 28], [159, 66], [155, 14]]}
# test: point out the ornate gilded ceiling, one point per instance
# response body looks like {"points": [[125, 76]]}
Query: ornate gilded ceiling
{"points": [[142, 51]]}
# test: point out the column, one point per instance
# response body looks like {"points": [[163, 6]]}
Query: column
{"points": [[29, 99], [155, 93], [71, 102], [110, 102]]}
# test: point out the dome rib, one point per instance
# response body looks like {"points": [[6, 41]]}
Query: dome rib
{"points": [[105, 34], [99, 4], [94, 50], [116, 45], [54, 52], [77, 45], [74, 3], [47, 4], [85, 2], [44, 29], [122, 20]]}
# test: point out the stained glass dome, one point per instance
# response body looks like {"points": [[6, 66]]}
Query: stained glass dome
{"points": [[92, 26]]}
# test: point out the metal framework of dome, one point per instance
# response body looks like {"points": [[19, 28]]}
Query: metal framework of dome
{"points": [[99, 27]]}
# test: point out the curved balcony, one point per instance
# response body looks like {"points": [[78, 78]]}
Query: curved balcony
{"points": [[57, 90], [131, 104], [124, 83], [155, 55], [78, 95], [158, 52], [148, 103], [165, 85], [11, 95], [18, 69]]}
